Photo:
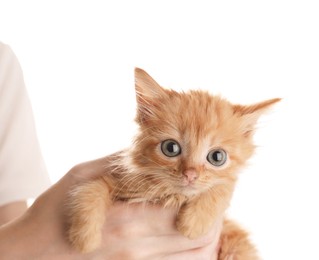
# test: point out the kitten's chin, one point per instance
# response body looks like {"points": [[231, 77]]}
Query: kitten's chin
{"points": [[189, 190]]}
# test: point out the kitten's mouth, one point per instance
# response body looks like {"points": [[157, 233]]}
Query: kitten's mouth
{"points": [[189, 189], [188, 184]]}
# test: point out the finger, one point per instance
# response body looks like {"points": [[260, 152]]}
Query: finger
{"points": [[180, 245], [152, 230], [207, 252], [144, 218]]}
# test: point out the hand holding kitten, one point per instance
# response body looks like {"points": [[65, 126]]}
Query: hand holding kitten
{"points": [[137, 231], [144, 231]]}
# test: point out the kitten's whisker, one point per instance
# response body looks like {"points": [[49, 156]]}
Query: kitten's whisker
{"points": [[155, 192], [126, 182], [134, 181]]}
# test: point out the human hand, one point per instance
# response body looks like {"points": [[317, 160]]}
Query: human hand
{"points": [[12, 210], [131, 231], [143, 231]]}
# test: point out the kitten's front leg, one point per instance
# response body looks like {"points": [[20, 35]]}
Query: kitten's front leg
{"points": [[196, 217], [87, 207]]}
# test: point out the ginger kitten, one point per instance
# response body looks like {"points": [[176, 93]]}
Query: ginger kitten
{"points": [[186, 154]]}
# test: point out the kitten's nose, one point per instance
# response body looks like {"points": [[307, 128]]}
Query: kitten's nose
{"points": [[191, 175]]}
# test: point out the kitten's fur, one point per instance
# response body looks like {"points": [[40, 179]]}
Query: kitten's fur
{"points": [[200, 123]]}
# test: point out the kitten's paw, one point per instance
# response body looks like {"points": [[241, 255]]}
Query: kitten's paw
{"points": [[191, 225], [84, 240], [86, 212], [227, 257]]}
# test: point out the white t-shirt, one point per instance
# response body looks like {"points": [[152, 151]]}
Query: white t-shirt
{"points": [[23, 173]]}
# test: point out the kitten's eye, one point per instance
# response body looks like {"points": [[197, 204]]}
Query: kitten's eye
{"points": [[170, 148], [217, 157]]}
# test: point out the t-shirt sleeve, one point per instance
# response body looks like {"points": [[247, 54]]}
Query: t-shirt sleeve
{"points": [[23, 174]]}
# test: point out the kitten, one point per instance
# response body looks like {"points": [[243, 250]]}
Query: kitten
{"points": [[187, 154]]}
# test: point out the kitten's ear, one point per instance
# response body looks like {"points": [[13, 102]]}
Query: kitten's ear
{"points": [[251, 113], [146, 87], [148, 92]]}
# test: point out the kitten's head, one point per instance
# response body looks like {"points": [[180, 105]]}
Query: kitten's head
{"points": [[190, 142]]}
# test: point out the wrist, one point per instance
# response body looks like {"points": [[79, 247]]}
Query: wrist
{"points": [[29, 238], [16, 239], [37, 234], [11, 211]]}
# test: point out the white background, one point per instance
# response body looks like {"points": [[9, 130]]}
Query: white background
{"points": [[78, 59]]}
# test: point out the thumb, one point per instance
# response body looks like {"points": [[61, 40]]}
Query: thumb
{"points": [[94, 169]]}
